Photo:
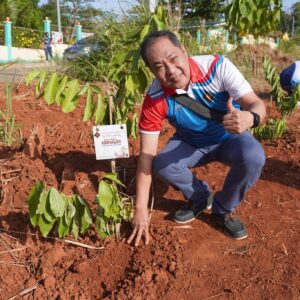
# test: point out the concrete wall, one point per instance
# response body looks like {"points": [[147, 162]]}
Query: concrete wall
{"points": [[30, 55]]}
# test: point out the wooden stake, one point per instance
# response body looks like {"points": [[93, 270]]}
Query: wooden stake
{"points": [[111, 107]]}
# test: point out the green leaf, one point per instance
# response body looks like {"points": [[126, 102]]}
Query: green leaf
{"points": [[84, 214], [135, 61], [89, 106], [39, 85], [109, 200], [63, 228], [71, 94], [160, 13], [95, 89], [114, 178], [48, 214], [119, 117], [59, 97], [85, 88], [102, 224], [57, 203], [75, 225], [144, 32], [114, 211], [244, 9], [120, 57], [86, 220], [143, 82], [105, 195], [51, 89], [100, 110], [80, 201], [159, 25], [69, 212], [129, 84], [31, 76], [45, 226], [42, 204], [276, 16], [134, 126], [33, 201]]}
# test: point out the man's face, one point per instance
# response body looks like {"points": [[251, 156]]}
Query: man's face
{"points": [[169, 64]]}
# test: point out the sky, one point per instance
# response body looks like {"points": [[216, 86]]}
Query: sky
{"points": [[117, 6]]}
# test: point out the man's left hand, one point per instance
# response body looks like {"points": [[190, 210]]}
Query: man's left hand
{"points": [[237, 121]]}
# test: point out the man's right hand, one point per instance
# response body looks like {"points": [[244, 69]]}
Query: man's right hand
{"points": [[140, 227]]}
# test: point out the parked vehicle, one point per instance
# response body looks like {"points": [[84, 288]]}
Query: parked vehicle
{"points": [[83, 48]]}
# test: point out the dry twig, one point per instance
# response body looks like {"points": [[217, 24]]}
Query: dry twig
{"points": [[26, 291], [80, 244], [214, 296], [57, 239], [7, 247], [11, 171], [13, 250]]}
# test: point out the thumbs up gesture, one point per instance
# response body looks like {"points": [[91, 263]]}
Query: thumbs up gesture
{"points": [[230, 106], [236, 121]]}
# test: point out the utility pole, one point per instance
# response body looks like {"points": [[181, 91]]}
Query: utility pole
{"points": [[293, 25], [58, 15]]}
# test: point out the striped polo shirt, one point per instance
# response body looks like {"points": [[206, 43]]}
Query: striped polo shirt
{"points": [[213, 80]]}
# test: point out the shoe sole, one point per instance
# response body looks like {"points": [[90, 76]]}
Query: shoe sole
{"points": [[190, 220], [236, 238]]}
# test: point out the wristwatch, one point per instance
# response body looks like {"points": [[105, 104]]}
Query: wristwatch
{"points": [[256, 119]]}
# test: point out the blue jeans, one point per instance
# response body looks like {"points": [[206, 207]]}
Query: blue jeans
{"points": [[48, 52], [242, 152]]}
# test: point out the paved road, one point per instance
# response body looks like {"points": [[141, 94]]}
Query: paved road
{"points": [[15, 72]]}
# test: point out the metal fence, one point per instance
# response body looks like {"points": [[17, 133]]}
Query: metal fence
{"points": [[32, 38]]}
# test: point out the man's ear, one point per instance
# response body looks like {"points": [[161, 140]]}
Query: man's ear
{"points": [[184, 50]]}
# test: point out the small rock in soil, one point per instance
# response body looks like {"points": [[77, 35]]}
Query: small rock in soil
{"points": [[49, 282]]}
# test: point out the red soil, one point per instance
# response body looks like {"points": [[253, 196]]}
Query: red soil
{"points": [[181, 262]]}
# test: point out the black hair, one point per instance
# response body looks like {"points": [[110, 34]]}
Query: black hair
{"points": [[151, 37]]}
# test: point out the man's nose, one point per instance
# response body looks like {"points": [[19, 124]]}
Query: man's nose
{"points": [[169, 68]]}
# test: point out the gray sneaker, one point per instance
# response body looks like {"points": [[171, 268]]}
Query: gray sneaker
{"points": [[192, 211], [231, 225]]}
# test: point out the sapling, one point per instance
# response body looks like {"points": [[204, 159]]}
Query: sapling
{"points": [[51, 209]]}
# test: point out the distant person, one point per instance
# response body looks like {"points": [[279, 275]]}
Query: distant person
{"points": [[47, 41], [290, 77]]}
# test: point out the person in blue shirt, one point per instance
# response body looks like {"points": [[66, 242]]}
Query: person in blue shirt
{"points": [[47, 41], [214, 82], [290, 76]]}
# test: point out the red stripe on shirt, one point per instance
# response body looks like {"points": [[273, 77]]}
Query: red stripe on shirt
{"points": [[153, 114]]}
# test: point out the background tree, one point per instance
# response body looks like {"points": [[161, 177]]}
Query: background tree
{"points": [[23, 13], [28, 14], [74, 8], [50, 10], [8, 8], [257, 17], [195, 10], [90, 17], [296, 15]]}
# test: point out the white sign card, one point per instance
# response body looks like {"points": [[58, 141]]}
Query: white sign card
{"points": [[57, 37], [110, 141]]}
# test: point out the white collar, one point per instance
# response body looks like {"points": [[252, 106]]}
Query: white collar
{"points": [[189, 92]]}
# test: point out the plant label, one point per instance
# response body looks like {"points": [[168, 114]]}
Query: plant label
{"points": [[110, 141]]}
